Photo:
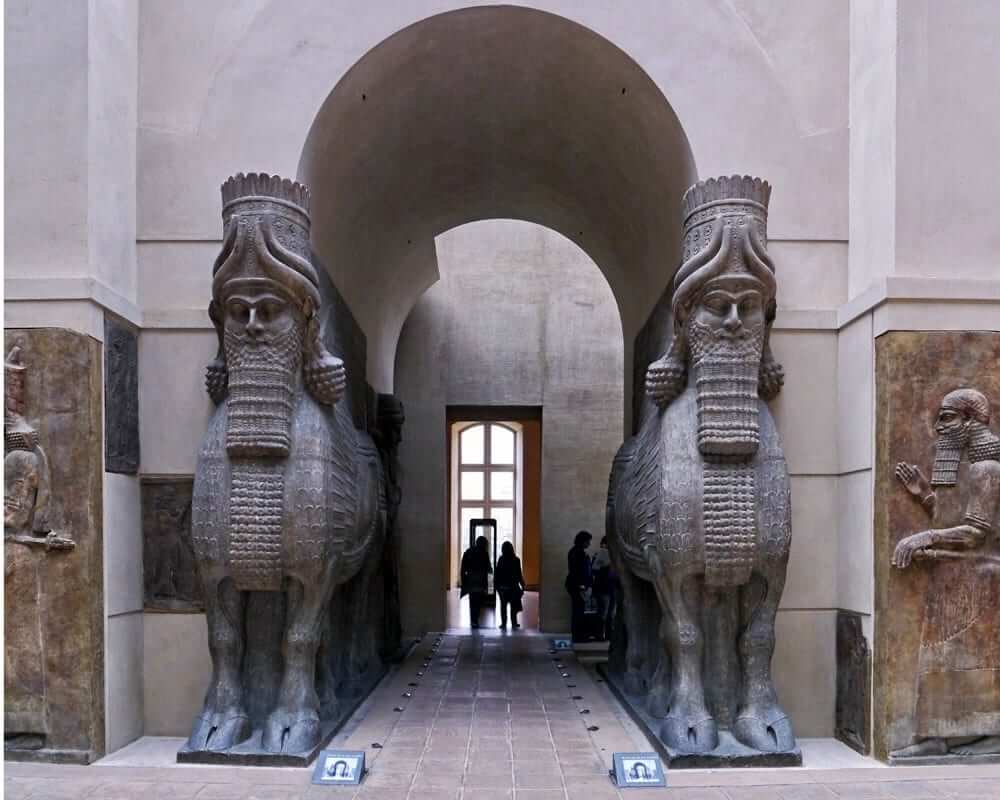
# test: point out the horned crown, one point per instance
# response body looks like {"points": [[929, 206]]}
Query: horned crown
{"points": [[732, 190], [261, 186]]}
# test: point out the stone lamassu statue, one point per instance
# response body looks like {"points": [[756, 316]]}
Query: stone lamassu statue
{"points": [[699, 499], [958, 680], [288, 499]]}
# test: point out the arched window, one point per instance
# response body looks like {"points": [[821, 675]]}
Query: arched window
{"points": [[487, 479]]}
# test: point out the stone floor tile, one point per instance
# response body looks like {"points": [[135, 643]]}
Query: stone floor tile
{"points": [[369, 792], [476, 793], [17, 788], [968, 788], [63, 789], [545, 779], [539, 794]]}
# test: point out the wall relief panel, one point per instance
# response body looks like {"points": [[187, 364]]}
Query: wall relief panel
{"points": [[121, 397], [53, 568], [170, 580], [854, 664], [937, 552]]}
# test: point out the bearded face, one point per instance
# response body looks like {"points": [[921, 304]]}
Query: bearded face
{"points": [[952, 428], [725, 335], [263, 334]]}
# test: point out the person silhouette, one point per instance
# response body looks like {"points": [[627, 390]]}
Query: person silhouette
{"points": [[509, 582], [476, 569]]}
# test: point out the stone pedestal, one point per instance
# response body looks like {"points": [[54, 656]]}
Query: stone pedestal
{"points": [[729, 753]]}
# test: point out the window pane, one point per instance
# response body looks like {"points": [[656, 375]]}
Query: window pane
{"points": [[473, 444], [473, 486], [501, 485], [505, 525], [465, 516], [501, 445]]}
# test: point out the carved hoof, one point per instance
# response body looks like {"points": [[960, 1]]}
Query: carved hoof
{"points": [[217, 732], [286, 732], [927, 747], [769, 731], [658, 701], [987, 746], [690, 735]]}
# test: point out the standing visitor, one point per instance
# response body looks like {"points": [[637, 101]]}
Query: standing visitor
{"points": [[579, 581], [476, 569], [604, 588], [509, 582]]}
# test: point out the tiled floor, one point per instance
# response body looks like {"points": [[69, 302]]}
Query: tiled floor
{"points": [[459, 618], [491, 717]]}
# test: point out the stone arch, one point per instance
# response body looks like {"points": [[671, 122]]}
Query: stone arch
{"points": [[493, 112]]}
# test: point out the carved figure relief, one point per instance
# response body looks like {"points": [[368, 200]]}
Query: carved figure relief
{"points": [[170, 580], [121, 397], [699, 498], [958, 682], [852, 713], [289, 498], [27, 487], [53, 584]]}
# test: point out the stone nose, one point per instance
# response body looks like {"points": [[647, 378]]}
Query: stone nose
{"points": [[254, 326], [732, 322]]}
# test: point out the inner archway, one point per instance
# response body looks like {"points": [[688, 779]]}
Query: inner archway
{"points": [[486, 112]]}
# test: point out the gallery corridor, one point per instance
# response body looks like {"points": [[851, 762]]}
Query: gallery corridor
{"points": [[472, 717]]}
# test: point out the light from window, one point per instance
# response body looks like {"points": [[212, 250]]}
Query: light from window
{"points": [[501, 445], [473, 445], [473, 486]]}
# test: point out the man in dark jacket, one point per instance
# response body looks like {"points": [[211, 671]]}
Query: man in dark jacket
{"points": [[476, 569], [579, 580]]}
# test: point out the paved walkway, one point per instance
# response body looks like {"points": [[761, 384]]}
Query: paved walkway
{"points": [[489, 718]]}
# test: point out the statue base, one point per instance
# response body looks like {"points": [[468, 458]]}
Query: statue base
{"points": [[729, 753], [945, 760], [44, 756], [250, 753]]}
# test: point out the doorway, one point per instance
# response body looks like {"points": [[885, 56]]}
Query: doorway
{"points": [[494, 473]]}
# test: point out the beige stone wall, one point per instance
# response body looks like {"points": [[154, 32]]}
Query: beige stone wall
{"points": [[868, 118]]}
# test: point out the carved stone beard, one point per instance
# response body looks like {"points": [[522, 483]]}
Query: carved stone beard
{"points": [[975, 440], [726, 372], [263, 380], [948, 455]]}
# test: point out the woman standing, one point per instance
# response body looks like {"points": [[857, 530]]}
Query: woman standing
{"points": [[476, 569], [578, 581], [509, 582]]}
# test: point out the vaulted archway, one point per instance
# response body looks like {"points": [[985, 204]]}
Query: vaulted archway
{"points": [[485, 112]]}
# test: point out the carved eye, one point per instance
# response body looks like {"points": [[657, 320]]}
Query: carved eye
{"points": [[717, 305], [749, 305], [239, 312]]}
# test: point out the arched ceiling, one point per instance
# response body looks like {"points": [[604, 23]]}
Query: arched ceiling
{"points": [[487, 112]]}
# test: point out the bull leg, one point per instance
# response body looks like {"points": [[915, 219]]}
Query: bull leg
{"points": [[294, 725], [760, 721], [635, 676], [688, 726], [223, 721]]}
